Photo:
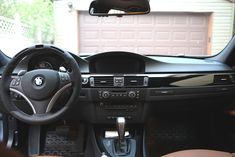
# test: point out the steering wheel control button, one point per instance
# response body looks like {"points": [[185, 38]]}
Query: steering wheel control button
{"points": [[13, 82], [64, 77], [39, 81], [16, 81]]}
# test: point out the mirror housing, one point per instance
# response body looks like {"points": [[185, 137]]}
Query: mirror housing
{"points": [[119, 7]]}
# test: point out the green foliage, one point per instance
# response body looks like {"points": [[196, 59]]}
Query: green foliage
{"points": [[37, 14], [7, 8]]}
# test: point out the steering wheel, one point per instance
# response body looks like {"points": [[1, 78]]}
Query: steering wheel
{"points": [[40, 88]]}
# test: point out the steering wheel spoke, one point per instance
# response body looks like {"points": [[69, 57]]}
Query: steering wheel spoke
{"points": [[15, 87], [40, 107], [65, 83], [45, 106]]}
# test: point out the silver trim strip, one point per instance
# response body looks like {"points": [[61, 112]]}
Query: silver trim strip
{"points": [[25, 97], [56, 96], [154, 75], [11, 76], [149, 75]]}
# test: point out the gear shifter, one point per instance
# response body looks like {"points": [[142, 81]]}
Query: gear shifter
{"points": [[120, 124], [121, 145]]}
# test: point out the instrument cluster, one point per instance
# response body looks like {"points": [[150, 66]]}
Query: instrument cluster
{"points": [[49, 62]]}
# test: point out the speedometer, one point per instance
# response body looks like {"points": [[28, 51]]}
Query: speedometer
{"points": [[43, 65]]}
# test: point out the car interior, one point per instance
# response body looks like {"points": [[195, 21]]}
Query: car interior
{"points": [[117, 104]]}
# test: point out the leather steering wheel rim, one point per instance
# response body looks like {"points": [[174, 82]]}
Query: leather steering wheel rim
{"points": [[74, 77]]}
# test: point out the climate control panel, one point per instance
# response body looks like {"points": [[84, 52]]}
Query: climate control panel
{"points": [[116, 102], [119, 94]]}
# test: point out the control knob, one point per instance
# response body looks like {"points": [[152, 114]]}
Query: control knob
{"points": [[132, 94], [105, 94]]}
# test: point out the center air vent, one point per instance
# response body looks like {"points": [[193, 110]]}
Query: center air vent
{"points": [[101, 81], [134, 81], [118, 81]]}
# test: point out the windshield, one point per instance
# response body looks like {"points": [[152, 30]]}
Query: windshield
{"points": [[173, 27]]}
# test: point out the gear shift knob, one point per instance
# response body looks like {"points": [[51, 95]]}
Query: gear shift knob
{"points": [[120, 123]]}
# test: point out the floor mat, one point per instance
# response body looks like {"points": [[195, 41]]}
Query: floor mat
{"points": [[187, 131], [62, 141]]}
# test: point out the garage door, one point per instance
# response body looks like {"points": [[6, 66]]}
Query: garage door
{"points": [[156, 33]]}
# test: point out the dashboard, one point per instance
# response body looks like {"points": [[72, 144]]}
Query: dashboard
{"points": [[131, 85]]}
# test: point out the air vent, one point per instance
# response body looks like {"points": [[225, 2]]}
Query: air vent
{"points": [[233, 78], [103, 81], [132, 81], [222, 79]]}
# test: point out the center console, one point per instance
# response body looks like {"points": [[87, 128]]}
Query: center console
{"points": [[122, 145], [124, 140], [111, 103], [118, 96]]}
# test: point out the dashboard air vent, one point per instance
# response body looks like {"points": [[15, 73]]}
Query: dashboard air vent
{"points": [[233, 77], [103, 81], [134, 81], [222, 79]]}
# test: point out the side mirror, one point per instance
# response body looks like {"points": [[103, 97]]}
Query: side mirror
{"points": [[119, 8]]}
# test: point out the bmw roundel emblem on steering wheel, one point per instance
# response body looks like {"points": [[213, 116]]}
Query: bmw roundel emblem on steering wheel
{"points": [[38, 81]]}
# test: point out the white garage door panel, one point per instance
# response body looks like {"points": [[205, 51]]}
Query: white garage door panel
{"points": [[156, 33]]}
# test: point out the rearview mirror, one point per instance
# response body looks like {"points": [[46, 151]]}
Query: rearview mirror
{"points": [[119, 7]]}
